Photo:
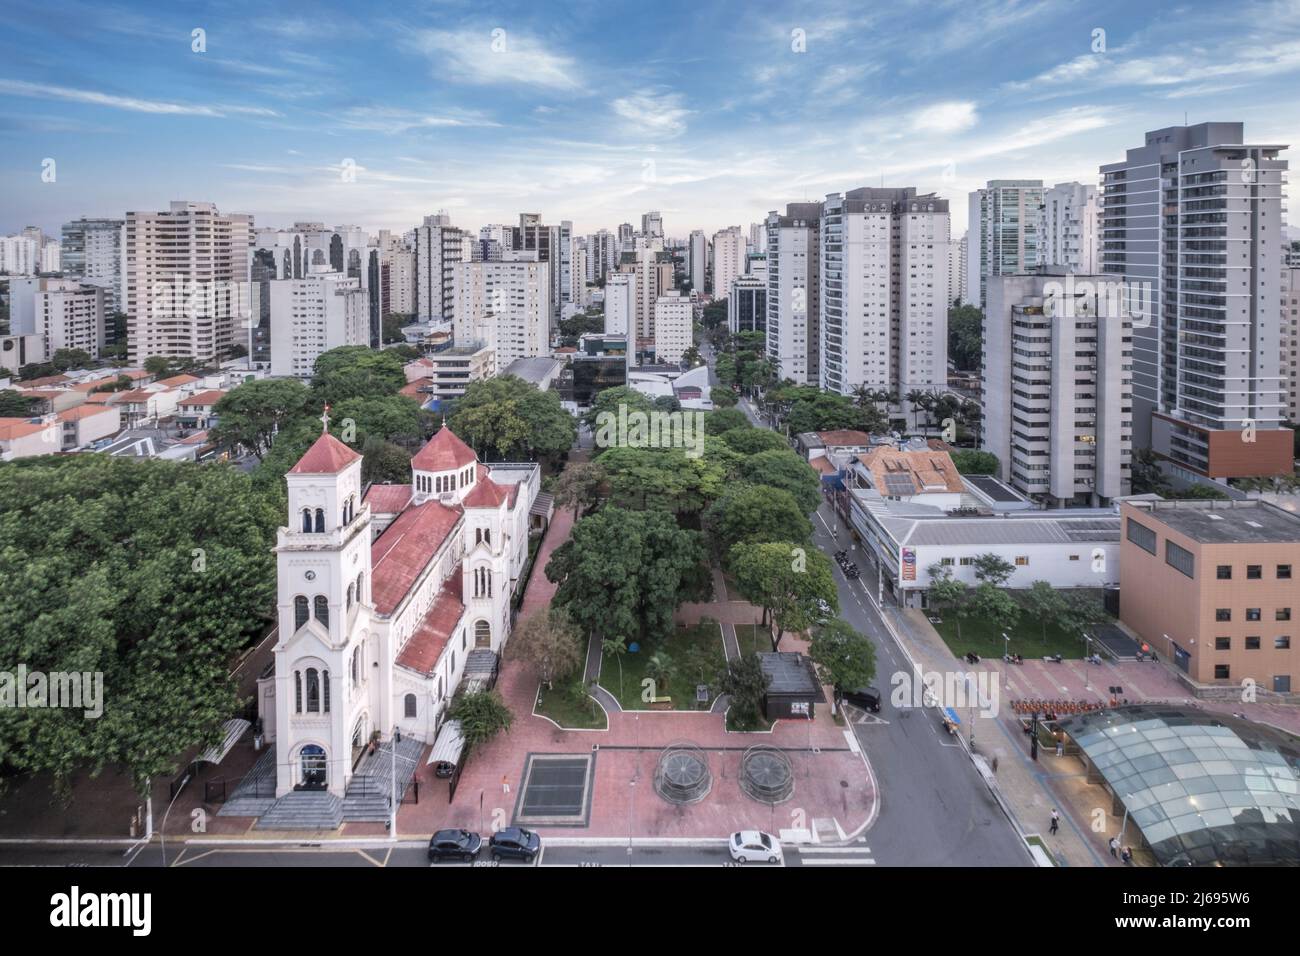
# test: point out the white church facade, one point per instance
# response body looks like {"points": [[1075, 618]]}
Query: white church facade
{"points": [[383, 593]]}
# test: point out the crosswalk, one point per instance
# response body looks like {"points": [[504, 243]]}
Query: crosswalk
{"points": [[834, 856]]}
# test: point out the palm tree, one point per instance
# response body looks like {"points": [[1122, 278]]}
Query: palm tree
{"points": [[660, 668], [615, 648]]}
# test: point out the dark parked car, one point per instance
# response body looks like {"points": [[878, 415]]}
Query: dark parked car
{"points": [[515, 843], [868, 698], [454, 845]]}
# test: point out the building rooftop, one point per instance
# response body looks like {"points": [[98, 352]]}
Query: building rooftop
{"points": [[1021, 528], [1226, 522], [534, 370], [326, 456], [790, 673], [901, 473]]}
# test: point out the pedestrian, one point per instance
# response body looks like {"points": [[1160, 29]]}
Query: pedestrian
{"points": [[1060, 748], [1126, 855], [505, 784], [1114, 847], [1056, 820]]}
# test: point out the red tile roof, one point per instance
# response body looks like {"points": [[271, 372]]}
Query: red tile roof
{"points": [[844, 437], [412, 389], [486, 493], [45, 380], [404, 549], [135, 395], [823, 464], [81, 411], [426, 645], [328, 456], [388, 499], [11, 428], [443, 452], [207, 399], [177, 380]]}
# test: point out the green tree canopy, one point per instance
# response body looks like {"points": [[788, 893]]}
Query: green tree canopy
{"points": [[624, 573], [788, 581], [750, 441], [550, 643], [578, 486], [154, 574], [717, 422], [782, 468], [356, 371], [251, 414], [667, 478], [844, 658], [482, 716], [971, 462], [748, 512], [13, 404], [965, 337], [746, 684], [506, 418], [394, 418]]}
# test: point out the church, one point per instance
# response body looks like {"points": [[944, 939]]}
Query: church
{"points": [[384, 593]]}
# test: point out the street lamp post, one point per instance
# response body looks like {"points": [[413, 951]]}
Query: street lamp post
{"points": [[1087, 652], [162, 833], [392, 799]]}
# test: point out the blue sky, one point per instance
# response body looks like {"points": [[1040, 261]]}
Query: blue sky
{"points": [[597, 112]]}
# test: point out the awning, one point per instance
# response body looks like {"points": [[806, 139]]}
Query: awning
{"points": [[234, 729], [951, 714], [447, 748]]}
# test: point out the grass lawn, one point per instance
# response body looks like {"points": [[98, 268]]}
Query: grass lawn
{"points": [[677, 645], [762, 726], [984, 637], [569, 706], [753, 639]]}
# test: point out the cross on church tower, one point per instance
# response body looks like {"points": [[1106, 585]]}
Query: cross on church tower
{"points": [[325, 419]]}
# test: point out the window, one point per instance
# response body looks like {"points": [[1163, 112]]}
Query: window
{"points": [[300, 612], [1284, 572], [1074, 557], [1254, 572], [1223, 614], [1221, 672], [1282, 614], [946, 562], [297, 691], [1252, 643], [1224, 572], [1252, 614], [322, 610], [1022, 560], [325, 683], [320, 520], [350, 589], [313, 691], [356, 666], [409, 704], [1282, 643], [360, 580], [1223, 643], [1142, 536], [967, 561], [306, 520], [1180, 559]]}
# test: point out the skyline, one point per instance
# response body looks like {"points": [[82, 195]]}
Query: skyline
{"points": [[595, 115]]}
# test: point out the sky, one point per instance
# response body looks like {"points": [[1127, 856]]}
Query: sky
{"points": [[376, 114]]}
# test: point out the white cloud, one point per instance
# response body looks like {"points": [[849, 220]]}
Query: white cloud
{"points": [[950, 117], [508, 58], [134, 104], [657, 114]]}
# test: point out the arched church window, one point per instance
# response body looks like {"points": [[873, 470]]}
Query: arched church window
{"points": [[297, 691], [322, 610], [313, 691], [306, 520], [410, 705], [350, 588], [482, 634], [320, 520], [325, 682], [356, 666], [299, 612], [360, 576]]}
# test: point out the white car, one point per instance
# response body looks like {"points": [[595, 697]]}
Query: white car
{"points": [[748, 846]]}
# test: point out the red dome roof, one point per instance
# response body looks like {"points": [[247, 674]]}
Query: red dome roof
{"points": [[443, 452], [327, 456]]}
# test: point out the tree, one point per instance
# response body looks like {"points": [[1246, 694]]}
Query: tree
{"points": [[782, 468], [482, 716], [661, 669], [746, 684], [14, 404], [393, 418], [578, 486], [252, 414], [966, 337], [1079, 613], [507, 418], [64, 359], [385, 462], [825, 411], [717, 422], [1145, 475], [625, 572], [788, 582], [756, 513], [393, 323], [155, 574], [971, 462], [992, 569], [356, 371], [615, 647], [609, 401], [993, 604], [668, 478], [844, 658], [946, 592], [1044, 603], [549, 643], [1199, 492], [723, 398], [748, 440]]}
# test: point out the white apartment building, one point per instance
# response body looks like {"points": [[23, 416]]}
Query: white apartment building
{"points": [[438, 248], [310, 316], [1002, 232], [19, 255], [883, 307], [1058, 384], [186, 281], [504, 305], [757, 238], [1291, 342], [620, 303], [793, 297], [602, 254], [957, 271], [1069, 228], [728, 259], [66, 313], [673, 327], [401, 282], [652, 224], [92, 252]]}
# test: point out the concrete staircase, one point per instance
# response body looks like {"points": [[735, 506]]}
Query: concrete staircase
{"points": [[255, 794], [303, 810], [371, 787]]}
